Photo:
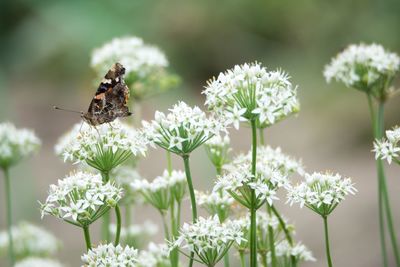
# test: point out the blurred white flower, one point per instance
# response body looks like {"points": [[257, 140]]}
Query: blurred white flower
{"points": [[208, 239], [272, 157], [284, 251], [81, 198], [163, 189], [136, 56], [217, 149], [136, 234], [103, 147], [124, 175], [16, 144], [182, 130], [363, 66], [38, 262], [216, 203], [110, 255], [30, 240], [249, 92], [321, 192], [388, 149], [156, 255]]}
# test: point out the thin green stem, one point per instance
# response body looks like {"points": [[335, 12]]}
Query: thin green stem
{"points": [[226, 259], [192, 196], [380, 203], [271, 240], [261, 134], [328, 252], [9, 216], [385, 195], [87, 237], [105, 228], [253, 208], [242, 259], [175, 232], [286, 231], [169, 163], [165, 225], [118, 232]]}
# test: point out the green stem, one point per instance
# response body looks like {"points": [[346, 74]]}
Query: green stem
{"points": [[253, 208], [261, 134], [380, 203], [264, 260], [242, 260], [271, 240], [9, 216], [87, 237], [288, 236], [118, 232], [192, 197], [226, 259], [385, 195], [105, 228], [328, 252], [169, 163], [165, 225]]}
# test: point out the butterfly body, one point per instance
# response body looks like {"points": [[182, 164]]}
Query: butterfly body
{"points": [[111, 98]]}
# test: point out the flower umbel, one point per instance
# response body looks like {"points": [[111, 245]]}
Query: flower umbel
{"points": [[216, 203], [81, 198], [30, 240], [208, 239], [156, 255], [368, 68], [136, 234], [110, 255], [16, 144], [104, 147], [321, 192], [38, 262], [182, 130], [249, 92], [388, 148], [217, 149]]}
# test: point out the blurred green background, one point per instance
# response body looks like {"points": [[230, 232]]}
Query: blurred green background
{"points": [[45, 52]]}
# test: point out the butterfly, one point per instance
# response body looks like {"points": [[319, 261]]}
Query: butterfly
{"points": [[111, 99]]}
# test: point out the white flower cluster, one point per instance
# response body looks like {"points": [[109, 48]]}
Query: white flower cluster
{"points": [[321, 192], [134, 234], [110, 255], [250, 91], [156, 255], [163, 189], [81, 197], [239, 179], [183, 129], [38, 262], [124, 175], [275, 158], [216, 203], [388, 148], [362, 65], [284, 251], [106, 145], [16, 144], [217, 149], [209, 239], [30, 240], [138, 58]]}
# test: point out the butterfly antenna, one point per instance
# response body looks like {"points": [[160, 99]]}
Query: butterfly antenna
{"points": [[67, 110]]}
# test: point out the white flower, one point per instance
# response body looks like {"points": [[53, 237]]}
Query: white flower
{"points": [[38, 262], [30, 240], [272, 157], [217, 149], [137, 57], [110, 255], [136, 234], [156, 255], [80, 198], [16, 144], [388, 149], [321, 192], [216, 203], [163, 189], [209, 237], [103, 147], [124, 175], [249, 92], [284, 251], [362, 66], [182, 130]]}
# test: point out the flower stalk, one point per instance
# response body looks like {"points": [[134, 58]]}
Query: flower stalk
{"points": [[253, 208], [118, 232], [328, 253], [9, 215], [87, 237]]}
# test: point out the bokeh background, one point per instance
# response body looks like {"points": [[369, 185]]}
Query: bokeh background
{"points": [[45, 52]]}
